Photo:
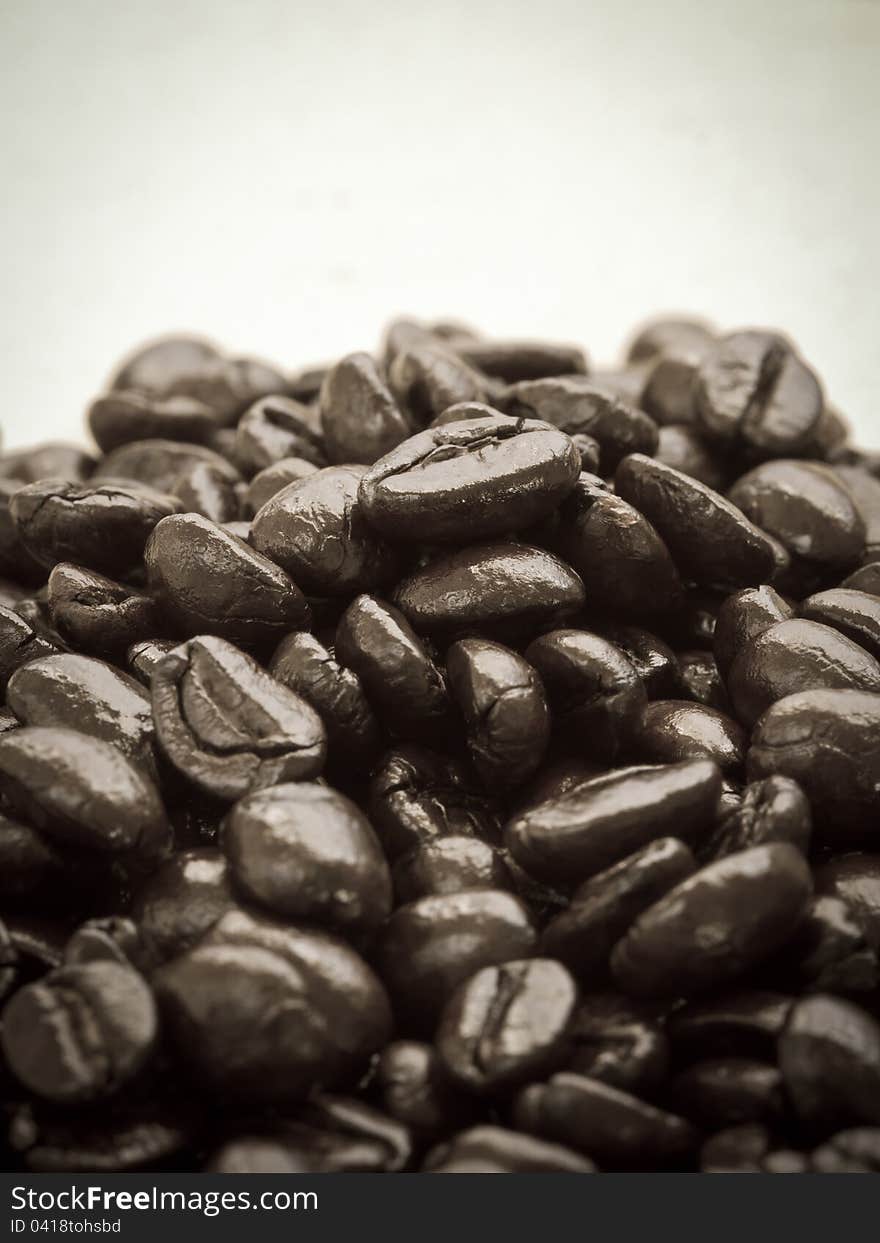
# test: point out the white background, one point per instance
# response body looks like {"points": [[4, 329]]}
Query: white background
{"points": [[286, 176]]}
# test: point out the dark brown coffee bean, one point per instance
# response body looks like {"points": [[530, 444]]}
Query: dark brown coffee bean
{"points": [[855, 614], [521, 360], [269, 482], [728, 1091], [829, 1055], [205, 490], [180, 901], [449, 865], [426, 377], [413, 1088], [159, 463], [54, 460], [701, 681], [672, 730], [19, 643], [773, 810], [360, 419], [855, 879], [736, 1024], [99, 615], [619, 1042], [121, 416], [274, 428], [742, 617]]}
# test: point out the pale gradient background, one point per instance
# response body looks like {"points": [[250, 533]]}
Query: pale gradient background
{"points": [[286, 176]]}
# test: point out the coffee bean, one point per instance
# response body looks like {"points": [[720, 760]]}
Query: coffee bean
{"points": [[495, 1150], [206, 490], [54, 460], [19, 643], [227, 725], [159, 463], [414, 1088], [681, 447], [853, 1151], [269, 481], [80, 1033], [829, 1055], [773, 810], [522, 360], [619, 1042], [742, 617], [866, 578], [121, 416], [652, 658], [306, 852], [449, 865], [673, 730], [736, 1024], [97, 614], [180, 901], [426, 377], [143, 657], [736, 1150], [723, 1092], [360, 419], [701, 680], [828, 952], [30, 865], [668, 335], [274, 428], [855, 879], [686, 942], [599, 822], [855, 614]]}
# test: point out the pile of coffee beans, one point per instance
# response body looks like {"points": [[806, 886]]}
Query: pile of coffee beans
{"points": [[457, 759]]}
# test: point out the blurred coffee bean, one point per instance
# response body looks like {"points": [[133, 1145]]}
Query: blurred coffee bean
{"points": [[360, 419]]}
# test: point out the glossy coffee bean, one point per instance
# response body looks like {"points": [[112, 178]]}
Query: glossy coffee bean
{"points": [[603, 908], [711, 540], [317, 531], [623, 563], [360, 419], [797, 655], [522, 360], [431, 946], [672, 730], [15, 559], [855, 614], [773, 810], [81, 1032], [496, 1150], [143, 657], [504, 707], [805, 507], [742, 1023], [417, 796], [829, 1055], [308, 853], [864, 489], [426, 378], [855, 880], [507, 1024], [413, 1087], [651, 657], [501, 585], [578, 406], [339, 1134], [601, 821], [121, 416], [619, 1042], [701, 681], [190, 365], [97, 614], [206, 490], [730, 1091], [269, 481], [752, 389], [81, 791], [304, 665], [54, 460], [209, 580], [158, 464], [829, 742], [866, 578], [227, 725], [594, 691], [668, 393], [716, 925], [102, 526], [449, 865], [609, 1125], [87, 695], [742, 617], [683, 448], [311, 1009], [19, 643], [828, 952], [404, 685], [469, 480], [112, 939], [180, 901], [274, 428]]}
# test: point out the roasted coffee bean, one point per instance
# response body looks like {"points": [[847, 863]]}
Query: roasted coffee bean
{"points": [[807, 509], [418, 795], [577, 405], [495, 1150], [180, 901], [715, 925], [797, 655], [753, 390], [360, 419], [80, 1033], [81, 791], [864, 489], [19, 643], [603, 908], [263, 1011], [507, 1024], [736, 1150], [625, 567], [866, 578], [302, 663], [227, 725], [741, 618], [653, 659], [15, 559], [29, 863], [54, 460], [308, 853], [504, 708], [431, 946], [711, 540], [855, 614], [449, 865], [159, 463], [671, 730], [99, 615], [205, 490], [101, 526], [143, 657], [828, 952], [604, 1122], [736, 1024], [829, 1055], [469, 480], [122, 416], [317, 530], [854, 1151], [404, 685], [339, 1134], [268, 482], [723, 1092], [855, 879], [512, 586], [413, 1087], [557, 777], [684, 449], [113, 1137], [274, 428], [596, 824], [667, 335], [829, 742], [619, 1042], [86, 695], [668, 393], [521, 360], [594, 691], [112, 939], [426, 378], [209, 580], [773, 810], [701, 681]]}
